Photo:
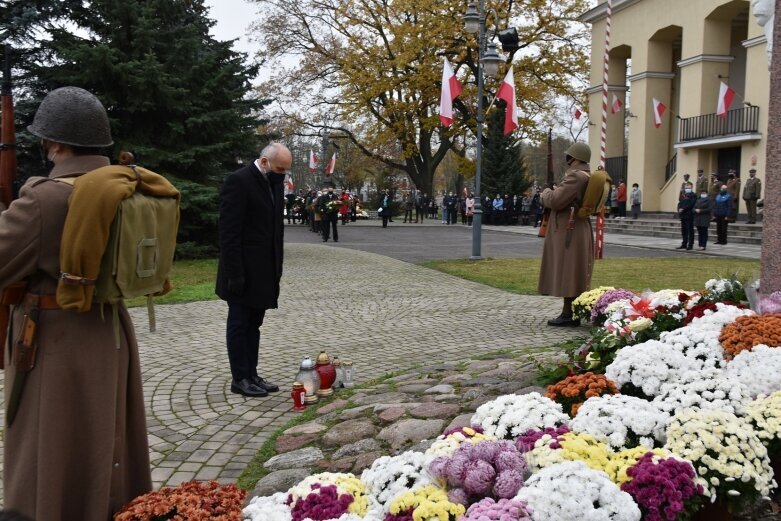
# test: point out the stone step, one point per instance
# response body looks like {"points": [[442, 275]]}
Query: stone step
{"points": [[736, 233]]}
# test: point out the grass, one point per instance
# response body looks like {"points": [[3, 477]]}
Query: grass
{"points": [[193, 281], [637, 274]]}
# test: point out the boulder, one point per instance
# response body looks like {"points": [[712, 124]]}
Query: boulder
{"points": [[279, 481], [357, 448], [286, 442], [306, 428], [435, 410], [348, 432], [405, 431], [294, 460]]}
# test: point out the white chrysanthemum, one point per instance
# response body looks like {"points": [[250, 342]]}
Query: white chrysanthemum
{"points": [[511, 415], [706, 389], [268, 508], [723, 315], [764, 414], [701, 345], [759, 369], [571, 491], [647, 366], [723, 446], [390, 476], [622, 421]]}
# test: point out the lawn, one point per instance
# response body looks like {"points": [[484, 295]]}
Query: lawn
{"points": [[636, 274], [193, 280]]}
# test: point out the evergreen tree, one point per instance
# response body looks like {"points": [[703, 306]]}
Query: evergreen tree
{"points": [[176, 97], [502, 169]]}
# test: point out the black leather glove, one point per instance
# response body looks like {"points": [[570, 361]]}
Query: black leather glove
{"points": [[236, 286]]}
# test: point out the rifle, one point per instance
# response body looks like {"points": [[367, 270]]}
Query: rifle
{"points": [[546, 214], [7, 136], [7, 174]]}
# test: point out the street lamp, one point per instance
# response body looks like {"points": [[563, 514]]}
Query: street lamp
{"points": [[488, 63]]}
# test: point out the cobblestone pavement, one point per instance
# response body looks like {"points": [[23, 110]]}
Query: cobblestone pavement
{"points": [[382, 313], [390, 315]]}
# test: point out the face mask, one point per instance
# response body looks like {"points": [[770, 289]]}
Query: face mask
{"points": [[703, 195], [48, 164], [688, 191], [723, 191]]}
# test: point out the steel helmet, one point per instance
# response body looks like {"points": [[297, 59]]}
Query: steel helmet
{"points": [[579, 151], [72, 116]]}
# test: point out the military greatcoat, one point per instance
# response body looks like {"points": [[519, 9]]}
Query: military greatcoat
{"points": [[77, 449], [566, 269]]}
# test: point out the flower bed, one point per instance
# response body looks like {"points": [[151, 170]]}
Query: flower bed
{"points": [[676, 422]]}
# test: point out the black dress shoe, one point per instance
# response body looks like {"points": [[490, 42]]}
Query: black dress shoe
{"points": [[680, 247], [248, 388], [564, 321], [266, 386]]}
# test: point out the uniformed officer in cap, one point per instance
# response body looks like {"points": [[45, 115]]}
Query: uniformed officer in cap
{"points": [[752, 192], [77, 448]]}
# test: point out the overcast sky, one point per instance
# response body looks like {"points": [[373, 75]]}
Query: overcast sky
{"points": [[233, 19]]}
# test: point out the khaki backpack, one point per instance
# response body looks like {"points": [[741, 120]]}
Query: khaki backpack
{"points": [[597, 192]]}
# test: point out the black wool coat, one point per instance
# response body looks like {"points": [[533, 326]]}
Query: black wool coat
{"points": [[250, 236]]}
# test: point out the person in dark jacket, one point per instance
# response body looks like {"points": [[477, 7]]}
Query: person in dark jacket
{"points": [[722, 208], [702, 216], [686, 215], [536, 209], [250, 264]]}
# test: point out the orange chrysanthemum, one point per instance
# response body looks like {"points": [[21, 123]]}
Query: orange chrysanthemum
{"points": [[574, 390], [749, 331]]}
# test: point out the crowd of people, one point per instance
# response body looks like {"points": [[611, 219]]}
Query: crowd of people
{"points": [[322, 209], [701, 203]]}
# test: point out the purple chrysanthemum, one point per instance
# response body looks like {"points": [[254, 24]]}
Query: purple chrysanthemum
{"points": [[404, 516], [661, 488], [323, 503], [526, 442], [502, 510], [487, 468], [608, 298]]}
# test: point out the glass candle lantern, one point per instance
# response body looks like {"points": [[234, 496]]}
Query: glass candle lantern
{"points": [[347, 366], [299, 396], [339, 382], [327, 374], [308, 376]]}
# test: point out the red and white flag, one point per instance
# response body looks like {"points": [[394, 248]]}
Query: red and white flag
{"points": [[659, 109], [312, 161], [726, 94], [507, 93], [331, 165], [451, 88], [578, 113], [466, 194], [290, 185], [616, 104]]}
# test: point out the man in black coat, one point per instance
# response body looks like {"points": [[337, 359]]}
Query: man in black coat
{"points": [[330, 217], [250, 266]]}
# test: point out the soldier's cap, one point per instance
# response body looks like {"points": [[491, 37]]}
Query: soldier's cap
{"points": [[700, 170], [731, 174], [752, 171]]}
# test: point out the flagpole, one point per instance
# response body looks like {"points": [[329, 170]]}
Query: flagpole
{"points": [[600, 235], [477, 218]]}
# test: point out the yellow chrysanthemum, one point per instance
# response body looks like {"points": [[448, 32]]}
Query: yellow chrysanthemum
{"points": [[619, 463], [353, 486], [584, 447], [429, 503]]}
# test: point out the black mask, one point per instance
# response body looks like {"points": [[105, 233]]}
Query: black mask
{"points": [[48, 164], [275, 179]]}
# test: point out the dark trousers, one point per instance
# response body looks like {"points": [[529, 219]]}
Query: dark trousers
{"points": [[408, 214], [721, 228], [635, 211], [702, 236], [419, 213], [751, 210], [329, 223], [243, 338], [622, 208], [385, 217], [687, 232]]}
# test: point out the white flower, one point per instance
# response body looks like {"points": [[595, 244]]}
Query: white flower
{"points": [[759, 369], [622, 421], [704, 389], [570, 491], [764, 413], [700, 345], [641, 324], [447, 445], [511, 415], [270, 508], [647, 366], [719, 444], [390, 476]]}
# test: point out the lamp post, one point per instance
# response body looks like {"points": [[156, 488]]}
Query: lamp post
{"points": [[488, 63]]}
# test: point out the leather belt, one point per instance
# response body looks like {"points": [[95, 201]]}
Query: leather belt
{"points": [[45, 302]]}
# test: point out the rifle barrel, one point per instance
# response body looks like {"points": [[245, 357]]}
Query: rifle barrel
{"points": [[7, 134]]}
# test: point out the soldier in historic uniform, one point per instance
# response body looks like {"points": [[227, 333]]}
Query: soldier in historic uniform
{"points": [[701, 184], [568, 252], [733, 187], [77, 448], [752, 192]]}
